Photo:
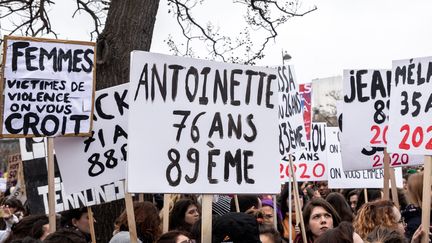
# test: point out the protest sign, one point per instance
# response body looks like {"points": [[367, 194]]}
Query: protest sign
{"points": [[48, 87], [101, 158], [365, 119], [201, 126], [36, 184], [306, 95], [14, 163], [292, 136], [410, 129], [337, 178], [310, 164]]}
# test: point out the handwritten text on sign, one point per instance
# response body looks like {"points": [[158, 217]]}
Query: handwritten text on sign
{"points": [[410, 129], [366, 103], [207, 127], [309, 164], [337, 178], [292, 136], [48, 88], [357, 156], [100, 158]]}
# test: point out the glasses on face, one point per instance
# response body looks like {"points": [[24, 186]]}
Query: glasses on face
{"points": [[320, 215]]}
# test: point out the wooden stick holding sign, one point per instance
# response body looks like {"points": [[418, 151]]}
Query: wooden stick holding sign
{"points": [[290, 212], [206, 225], [426, 201], [386, 175], [166, 211], [51, 190], [394, 188], [236, 202], [275, 215], [131, 218], [91, 224], [297, 198], [366, 195]]}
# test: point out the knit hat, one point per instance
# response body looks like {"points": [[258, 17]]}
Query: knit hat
{"points": [[236, 228], [269, 202]]}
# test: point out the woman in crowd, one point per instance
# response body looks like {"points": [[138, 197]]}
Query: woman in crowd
{"points": [[319, 216], [344, 233], [372, 195], [352, 198], [268, 214], [174, 236], [147, 224], [34, 226], [378, 213], [268, 234], [77, 219], [341, 206], [383, 234], [412, 213], [183, 215]]}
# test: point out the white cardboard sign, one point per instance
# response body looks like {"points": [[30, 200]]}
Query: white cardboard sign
{"points": [[365, 119], [310, 164], [101, 158], [201, 127], [292, 134], [35, 164], [410, 129], [48, 87], [337, 178]]}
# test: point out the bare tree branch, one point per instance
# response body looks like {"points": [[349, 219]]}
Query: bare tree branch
{"points": [[262, 15]]}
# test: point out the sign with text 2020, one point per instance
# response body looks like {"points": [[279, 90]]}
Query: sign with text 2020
{"points": [[365, 119], [410, 128], [48, 87], [201, 127]]}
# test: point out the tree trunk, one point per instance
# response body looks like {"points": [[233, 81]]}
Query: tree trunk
{"points": [[129, 26]]}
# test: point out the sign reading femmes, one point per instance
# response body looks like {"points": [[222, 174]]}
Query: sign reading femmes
{"points": [[48, 87], [201, 126]]}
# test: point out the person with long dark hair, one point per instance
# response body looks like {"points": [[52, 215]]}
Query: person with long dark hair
{"points": [[319, 216], [341, 206], [183, 215]]}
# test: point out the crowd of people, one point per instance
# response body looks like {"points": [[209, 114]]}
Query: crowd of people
{"points": [[328, 215]]}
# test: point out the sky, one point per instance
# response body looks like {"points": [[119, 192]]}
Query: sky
{"points": [[340, 34]]}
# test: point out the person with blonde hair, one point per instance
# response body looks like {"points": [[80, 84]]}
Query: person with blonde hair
{"points": [[413, 212], [378, 213]]}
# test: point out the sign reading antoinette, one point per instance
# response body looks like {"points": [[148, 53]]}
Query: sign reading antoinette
{"points": [[201, 126], [410, 126], [48, 87]]}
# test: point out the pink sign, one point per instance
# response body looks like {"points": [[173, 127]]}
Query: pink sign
{"points": [[306, 94]]}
